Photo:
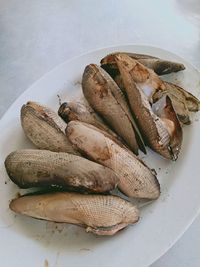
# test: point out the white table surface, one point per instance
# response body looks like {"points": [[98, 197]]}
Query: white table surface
{"points": [[37, 35]]}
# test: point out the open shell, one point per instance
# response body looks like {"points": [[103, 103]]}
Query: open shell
{"points": [[138, 83], [99, 214], [182, 100]]}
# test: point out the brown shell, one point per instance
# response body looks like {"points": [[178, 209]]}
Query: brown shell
{"points": [[73, 110], [160, 66], [136, 179], [100, 214], [182, 100], [138, 83], [41, 168], [45, 128], [107, 100]]}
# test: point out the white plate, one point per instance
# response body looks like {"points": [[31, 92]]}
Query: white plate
{"points": [[29, 242]]}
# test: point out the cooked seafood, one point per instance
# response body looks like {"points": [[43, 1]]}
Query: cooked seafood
{"points": [[160, 66], [136, 179], [106, 99], [70, 111], [160, 126], [42, 168], [99, 214], [89, 146], [80, 112], [45, 128], [182, 101]]}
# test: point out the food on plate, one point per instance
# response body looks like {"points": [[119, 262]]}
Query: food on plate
{"points": [[136, 179], [99, 214], [42, 168], [107, 100], [45, 128], [92, 146], [183, 101], [74, 110], [78, 111], [160, 66], [158, 123]]}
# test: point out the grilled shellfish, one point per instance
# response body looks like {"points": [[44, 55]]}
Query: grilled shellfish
{"points": [[158, 123], [99, 214], [160, 66], [41, 168], [136, 179], [108, 101], [45, 128]]}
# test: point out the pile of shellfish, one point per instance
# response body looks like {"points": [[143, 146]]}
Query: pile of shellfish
{"points": [[88, 150]]}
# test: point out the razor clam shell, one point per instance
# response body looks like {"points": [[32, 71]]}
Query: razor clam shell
{"points": [[136, 179], [138, 83], [182, 100], [74, 110], [100, 214], [106, 99], [41, 168], [44, 128], [160, 66]]}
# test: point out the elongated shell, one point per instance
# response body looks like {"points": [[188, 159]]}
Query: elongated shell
{"points": [[138, 83], [42, 168], [99, 214], [106, 99], [70, 111], [160, 66], [78, 111], [182, 100], [45, 128], [136, 179]]}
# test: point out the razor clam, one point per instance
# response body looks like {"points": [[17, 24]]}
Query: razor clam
{"points": [[136, 179], [182, 101], [99, 214], [160, 66], [78, 111], [74, 110], [45, 128], [108, 101], [161, 130], [42, 168]]}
